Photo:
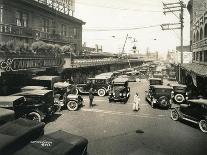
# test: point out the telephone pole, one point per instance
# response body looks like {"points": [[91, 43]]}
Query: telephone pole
{"points": [[172, 8]]}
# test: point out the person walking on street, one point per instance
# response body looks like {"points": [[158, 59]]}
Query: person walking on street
{"points": [[91, 97], [136, 102]]}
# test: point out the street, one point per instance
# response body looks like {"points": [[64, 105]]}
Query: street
{"points": [[114, 129]]}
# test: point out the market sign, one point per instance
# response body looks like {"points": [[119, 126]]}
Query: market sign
{"points": [[17, 64]]}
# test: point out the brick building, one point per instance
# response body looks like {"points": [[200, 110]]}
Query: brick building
{"points": [[50, 21]]}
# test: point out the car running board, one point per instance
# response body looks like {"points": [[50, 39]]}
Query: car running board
{"points": [[190, 120]]}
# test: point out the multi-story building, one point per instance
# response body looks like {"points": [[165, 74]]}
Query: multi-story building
{"points": [[195, 73], [50, 21]]}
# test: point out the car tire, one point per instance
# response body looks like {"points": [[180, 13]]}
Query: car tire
{"points": [[72, 106], [174, 115], [203, 126], [101, 92], [177, 96], [34, 116]]}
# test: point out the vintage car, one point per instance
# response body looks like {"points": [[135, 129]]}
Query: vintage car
{"points": [[100, 85], [179, 93], [155, 81], [159, 96], [194, 110], [38, 105], [65, 95], [119, 90]]}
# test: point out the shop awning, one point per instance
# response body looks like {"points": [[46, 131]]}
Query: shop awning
{"points": [[198, 69]]}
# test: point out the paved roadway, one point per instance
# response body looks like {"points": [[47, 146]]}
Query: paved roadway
{"points": [[114, 129]]}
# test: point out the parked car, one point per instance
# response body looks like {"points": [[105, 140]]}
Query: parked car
{"points": [[8, 101], [179, 93], [65, 95], [159, 95], [100, 85], [194, 110], [119, 90], [155, 81], [38, 105]]}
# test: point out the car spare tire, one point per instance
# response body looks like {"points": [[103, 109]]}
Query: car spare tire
{"points": [[163, 101], [34, 116], [179, 98], [101, 92]]}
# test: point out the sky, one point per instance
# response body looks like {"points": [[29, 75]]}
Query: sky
{"points": [[144, 15]]}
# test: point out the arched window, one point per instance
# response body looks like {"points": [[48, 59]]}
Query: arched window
{"points": [[201, 34], [205, 31], [194, 37], [197, 35]]}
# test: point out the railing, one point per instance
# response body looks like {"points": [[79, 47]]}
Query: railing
{"points": [[14, 30], [200, 44]]}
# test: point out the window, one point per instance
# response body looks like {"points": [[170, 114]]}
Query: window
{"points": [[201, 34], [205, 56], [205, 30], [197, 36], [1, 13], [45, 27], [201, 56], [21, 19], [63, 30], [75, 32]]}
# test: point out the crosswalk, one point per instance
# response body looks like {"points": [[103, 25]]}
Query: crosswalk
{"points": [[132, 114]]}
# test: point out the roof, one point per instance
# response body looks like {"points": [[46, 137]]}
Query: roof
{"points": [[120, 80], [99, 78], [61, 84], [196, 68], [198, 101], [45, 77], [33, 87], [32, 92], [161, 86]]}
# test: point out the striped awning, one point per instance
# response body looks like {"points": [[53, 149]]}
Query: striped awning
{"points": [[198, 69]]}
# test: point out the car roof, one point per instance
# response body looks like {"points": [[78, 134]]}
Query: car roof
{"points": [[99, 78], [155, 79], [61, 84], [45, 77], [120, 80], [9, 98], [177, 85], [161, 86], [198, 101], [33, 87], [33, 92]]}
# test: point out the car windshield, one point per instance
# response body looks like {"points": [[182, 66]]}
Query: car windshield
{"points": [[163, 91], [116, 87]]}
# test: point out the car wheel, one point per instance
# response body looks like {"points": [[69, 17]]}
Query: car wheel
{"points": [[72, 105], [174, 115], [203, 126], [179, 98], [34, 116], [101, 92]]}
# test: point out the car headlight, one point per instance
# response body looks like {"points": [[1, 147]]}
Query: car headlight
{"points": [[113, 93], [120, 94], [154, 100], [124, 94]]}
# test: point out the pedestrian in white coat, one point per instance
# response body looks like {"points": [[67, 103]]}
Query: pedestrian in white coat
{"points": [[136, 102]]}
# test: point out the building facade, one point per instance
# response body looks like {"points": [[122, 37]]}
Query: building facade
{"points": [[50, 21], [195, 74]]}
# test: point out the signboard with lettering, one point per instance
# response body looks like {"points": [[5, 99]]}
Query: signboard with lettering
{"points": [[17, 64]]}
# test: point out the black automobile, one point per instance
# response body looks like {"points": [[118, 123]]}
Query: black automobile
{"points": [[100, 85], [155, 81], [179, 93], [194, 110], [38, 105], [119, 90], [159, 96], [65, 95]]}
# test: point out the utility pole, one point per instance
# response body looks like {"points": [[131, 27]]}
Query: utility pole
{"points": [[124, 48], [172, 8]]}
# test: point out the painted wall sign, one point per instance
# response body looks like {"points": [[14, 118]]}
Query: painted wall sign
{"points": [[16, 64]]}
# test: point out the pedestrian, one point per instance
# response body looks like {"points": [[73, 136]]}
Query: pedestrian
{"points": [[91, 97], [136, 102]]}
